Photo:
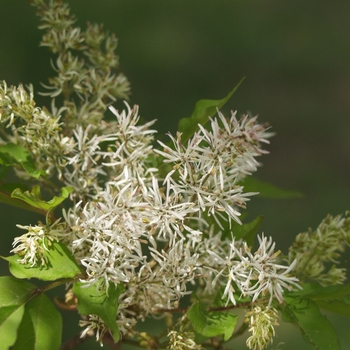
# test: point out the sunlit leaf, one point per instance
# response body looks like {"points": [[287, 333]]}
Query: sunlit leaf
{"points": [[95, 300], [60, 264], [34, 198], [41, 326], [13, 294], [8, 329], [211, 323], [202, 111], [5, 196], [16, 155]]}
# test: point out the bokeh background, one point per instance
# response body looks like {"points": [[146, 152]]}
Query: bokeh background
{"points": [[295, 56]]}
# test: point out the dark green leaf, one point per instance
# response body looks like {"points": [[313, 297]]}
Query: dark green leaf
{"points": [[17, 155], [340, 307], [61, 264], [34, 199], [212, 323], [41, 326], [315, 327], [94, 300], [3, 171], [267, 190], [248, 231], [202, 111], [332, 298], [317, 292]]}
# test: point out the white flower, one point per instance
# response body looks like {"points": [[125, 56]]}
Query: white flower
{"points": [[94, 325], [259, 273], [31, 246], [213, 162]]}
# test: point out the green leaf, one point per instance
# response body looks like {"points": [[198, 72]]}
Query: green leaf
{"points": [[61, 264], [202, 111], [94, 300], [332, 298], [248, 231], [34, 199], [267, 190], [17, 155], [315, 327], [13, 294], [212, 323], [8, 329], [5, 196], [41, 326]]}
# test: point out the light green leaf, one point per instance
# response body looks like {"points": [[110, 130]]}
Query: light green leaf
{"points": [[8, 329], [212, 323], [17, 155], [41, 326], [61, 264], [13, 294], [315, 327], [267, 190], [94, 300], [202, 111], [34, 199], [5, 197]]}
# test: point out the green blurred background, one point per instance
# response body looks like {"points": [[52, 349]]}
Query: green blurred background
{"points": [[295, 56]]}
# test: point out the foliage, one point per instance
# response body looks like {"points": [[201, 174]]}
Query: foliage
{"points": [[133, 227]]}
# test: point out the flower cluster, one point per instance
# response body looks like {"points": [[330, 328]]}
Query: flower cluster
{"points": [[33, 245], [257, 274], [180, 341], [315, 250], [213, 162], [160, 222], [157, 238], [86, 65], [261, 324]]}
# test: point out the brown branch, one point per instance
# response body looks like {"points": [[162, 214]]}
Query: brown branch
{"points": [[73, 342]]}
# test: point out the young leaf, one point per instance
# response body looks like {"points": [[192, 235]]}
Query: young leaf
{"points": [[16, 155], [34, 199], [202, 111], [94, 300], [41, 326], [212, 323], [267, 190], [5, 197], [60, 264], [315, 327], [13, 294]]}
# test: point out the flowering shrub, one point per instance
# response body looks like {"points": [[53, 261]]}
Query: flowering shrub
{"points": [[138, 228]]}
